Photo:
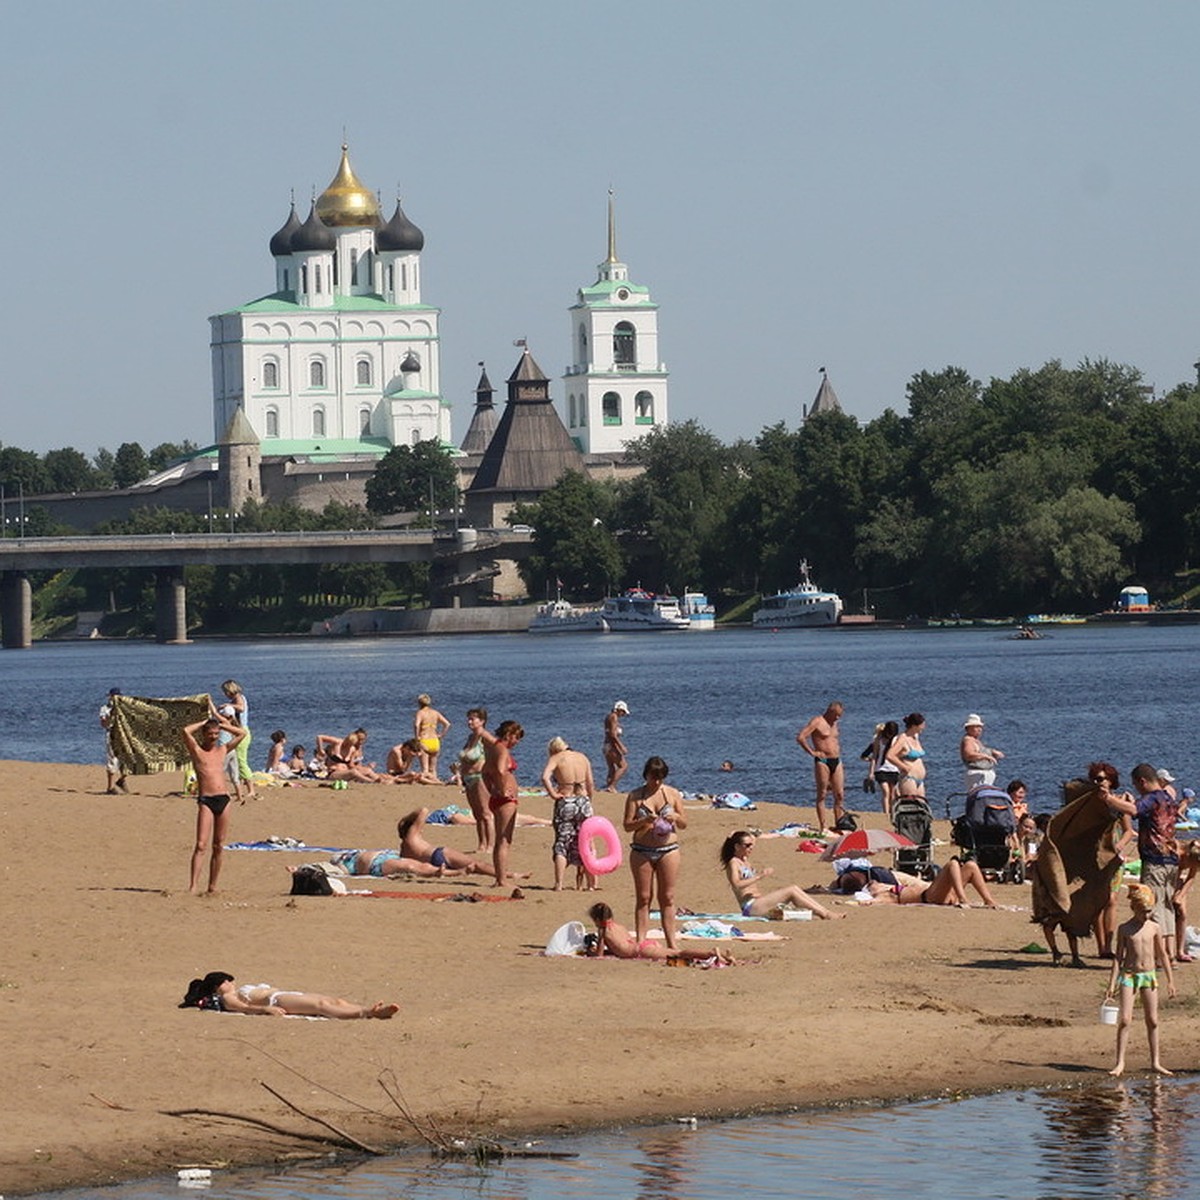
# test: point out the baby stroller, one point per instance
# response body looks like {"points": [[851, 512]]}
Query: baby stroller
{"points": [[984, 833], [912, 818]]}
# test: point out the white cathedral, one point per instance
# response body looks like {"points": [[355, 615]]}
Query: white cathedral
{"points": [[343, 352], [342, 357]]}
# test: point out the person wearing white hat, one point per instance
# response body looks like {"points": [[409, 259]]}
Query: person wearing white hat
{"points": [[979, 760], [616, 756]]}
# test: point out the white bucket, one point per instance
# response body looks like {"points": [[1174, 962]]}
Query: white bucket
{"points": [[1108, 1012]]}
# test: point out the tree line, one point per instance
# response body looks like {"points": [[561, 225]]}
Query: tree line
{"points": [[70, 470], [1045, 491]]}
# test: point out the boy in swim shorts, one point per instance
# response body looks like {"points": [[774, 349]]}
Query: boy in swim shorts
{"points": [[1140, 951]]}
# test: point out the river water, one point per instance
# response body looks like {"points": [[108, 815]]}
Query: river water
{"points": [[696, 699], [1052, 705]]}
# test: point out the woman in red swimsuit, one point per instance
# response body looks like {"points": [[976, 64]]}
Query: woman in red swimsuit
{"points": [[501, 783]]}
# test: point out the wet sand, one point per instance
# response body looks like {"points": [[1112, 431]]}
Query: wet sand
{"points": [[493, 1039]]}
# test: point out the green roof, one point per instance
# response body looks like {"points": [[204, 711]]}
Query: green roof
{"points": [[281, 302], [324, 448]]}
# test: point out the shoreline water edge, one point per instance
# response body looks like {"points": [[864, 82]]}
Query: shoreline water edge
{"points": [[107, 1079]]}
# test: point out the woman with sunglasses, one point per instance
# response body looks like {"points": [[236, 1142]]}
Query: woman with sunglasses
{"points": [[744, 879]]}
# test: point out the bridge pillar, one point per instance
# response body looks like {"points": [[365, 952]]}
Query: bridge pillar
{"points": [[170, 606], [16, 611]]}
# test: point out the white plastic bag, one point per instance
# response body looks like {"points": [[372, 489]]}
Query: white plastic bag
{"points": [[566, 940]]}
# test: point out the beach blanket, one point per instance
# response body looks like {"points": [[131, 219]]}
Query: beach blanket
{"points": [[284, 843], [462, 897], [1073, 873], [733, 800], [146, 734]]}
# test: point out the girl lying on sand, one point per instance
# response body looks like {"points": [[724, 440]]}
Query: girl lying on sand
{"points": [[216, 993], [617, 941]]}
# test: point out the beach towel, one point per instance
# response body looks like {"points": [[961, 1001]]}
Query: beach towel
{"points": [[734, 800], [1073, 873], [147, 734]]}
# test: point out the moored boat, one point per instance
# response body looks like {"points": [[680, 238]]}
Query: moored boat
{"points": [[802, 607], [637, 610], [560, 616], [700, 614]]}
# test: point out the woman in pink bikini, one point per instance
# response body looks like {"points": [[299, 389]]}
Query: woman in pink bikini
{"points": [[501, 783]]}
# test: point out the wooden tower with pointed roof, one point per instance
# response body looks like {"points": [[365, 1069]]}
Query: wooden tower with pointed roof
{"points": [[527, 455], [484, 419]]}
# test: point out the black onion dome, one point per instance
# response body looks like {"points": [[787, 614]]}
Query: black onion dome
{"points": [[281, 243], [399, 233], [314, 234]]}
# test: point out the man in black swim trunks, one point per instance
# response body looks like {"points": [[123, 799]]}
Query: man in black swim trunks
{"points": [[819, 740], [204, 747]]}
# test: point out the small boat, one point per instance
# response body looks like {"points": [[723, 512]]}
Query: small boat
{"points": [[637, 610], [698, 611], [560, 616], [804, 606]]}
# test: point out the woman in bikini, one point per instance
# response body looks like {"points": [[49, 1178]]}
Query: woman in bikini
{"points": [[217, 993], [907, 754], [654, 815], [501, 784], [949, 888], [429, 727], [744, 879], [470, 762], [616, 757]]}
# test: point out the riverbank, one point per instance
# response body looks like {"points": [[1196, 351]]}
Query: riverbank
{"points": [[493, 1039]]}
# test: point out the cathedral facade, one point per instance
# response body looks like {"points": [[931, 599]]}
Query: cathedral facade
{"points": [[343, 355]]}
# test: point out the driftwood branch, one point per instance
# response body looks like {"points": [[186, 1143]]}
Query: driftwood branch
{"points": [[242, 1119], [321, 1121]]}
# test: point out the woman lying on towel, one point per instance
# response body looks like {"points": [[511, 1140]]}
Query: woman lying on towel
{"points": [[949, 888], [744, 880], [216, 993], [616, 941], [388, 864]]}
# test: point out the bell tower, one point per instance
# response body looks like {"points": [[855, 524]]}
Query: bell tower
{"points": [[616, 385]]}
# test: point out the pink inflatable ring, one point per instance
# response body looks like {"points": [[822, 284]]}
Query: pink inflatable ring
{"points": [[599, 829]]}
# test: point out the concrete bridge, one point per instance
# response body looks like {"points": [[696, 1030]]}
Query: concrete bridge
{"points": [[461, 560]]}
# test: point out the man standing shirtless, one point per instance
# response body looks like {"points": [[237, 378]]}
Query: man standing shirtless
{"points": [[204, 747], [819, 738]]}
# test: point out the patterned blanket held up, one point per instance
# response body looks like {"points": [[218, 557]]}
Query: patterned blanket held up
{"points": [[146, 734]]}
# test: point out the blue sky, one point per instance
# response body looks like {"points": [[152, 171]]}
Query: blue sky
{"points": [[873, 187]]}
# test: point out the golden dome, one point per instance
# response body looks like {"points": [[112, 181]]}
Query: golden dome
{"points": [[346, 201]]}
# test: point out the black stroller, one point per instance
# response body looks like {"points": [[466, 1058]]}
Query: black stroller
{"points": [[912, 818], [985, 830]]}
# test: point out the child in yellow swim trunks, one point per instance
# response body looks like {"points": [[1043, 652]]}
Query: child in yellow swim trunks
{"points": [[1140, 951]]}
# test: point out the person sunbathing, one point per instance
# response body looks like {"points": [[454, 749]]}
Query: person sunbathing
{"points": [[216, 993], [616, 941], [948, 888], [744, 880], [404, 763], [413, 845], [390, 864]]}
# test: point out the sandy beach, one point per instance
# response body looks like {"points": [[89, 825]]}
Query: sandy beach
{"points": [[493, 1039]]}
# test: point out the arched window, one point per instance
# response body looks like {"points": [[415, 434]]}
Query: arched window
{"points": [[316, 373], [270, 374], [611, 405], [317, 277], [362, 372], [583, 344], [624, 346], [571, 410], [304, 279], [643, 408], [403, 277], [416, 436], [582, 413], [287, 276], [272, 422], [391, 277], [318, 422], [353, 268], [364, 420]]}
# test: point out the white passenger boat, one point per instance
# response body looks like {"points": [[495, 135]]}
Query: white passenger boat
{"points": [[560, 616], [638, 610], [801, 607], [700, 614]]}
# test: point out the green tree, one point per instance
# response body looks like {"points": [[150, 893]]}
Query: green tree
{"points": [[130, 465], [573, 538], [406, 475], [67, 470], [22, 471], [166, 453]]}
